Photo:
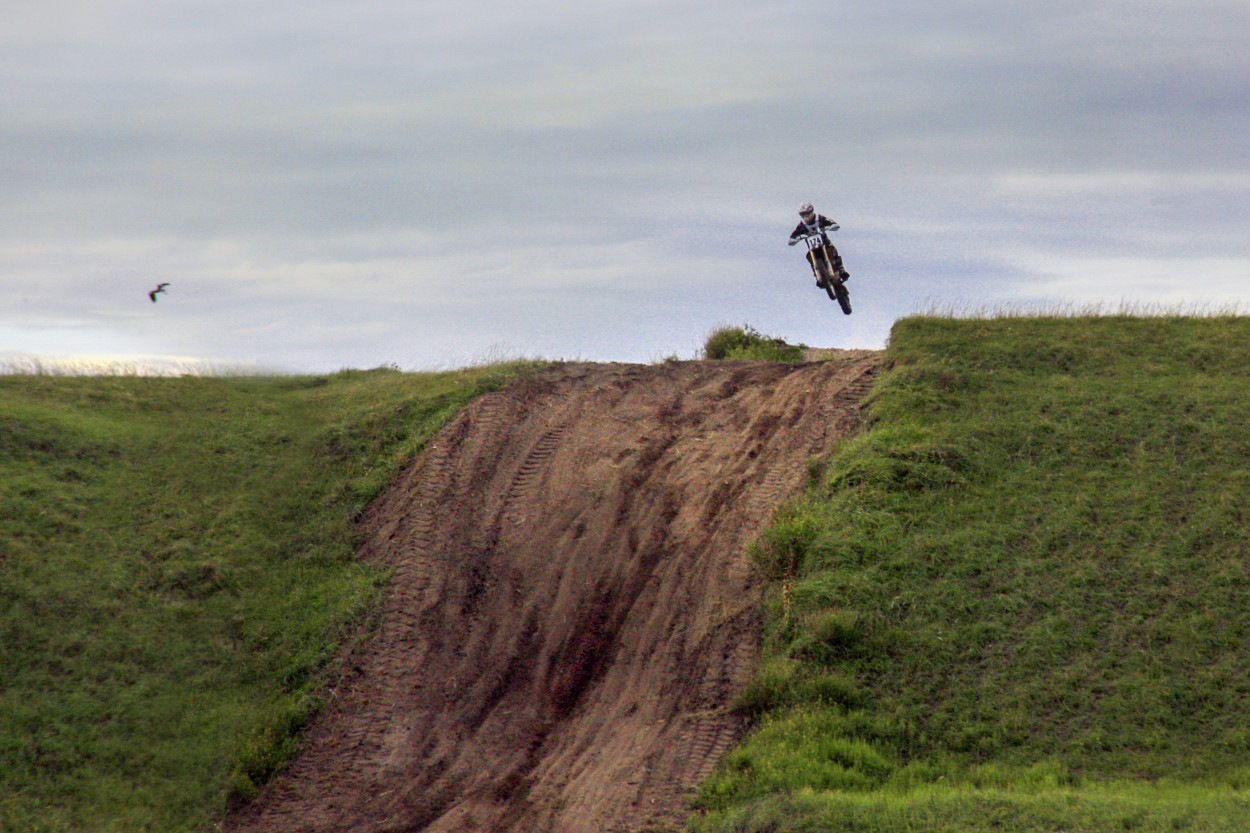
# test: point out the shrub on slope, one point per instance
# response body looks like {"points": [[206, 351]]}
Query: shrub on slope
{"points": [[746, 342]]}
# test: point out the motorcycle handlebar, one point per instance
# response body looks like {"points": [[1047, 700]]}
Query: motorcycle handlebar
{"points": [[833, 227]]}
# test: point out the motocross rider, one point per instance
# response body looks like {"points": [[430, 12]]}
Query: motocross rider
{"points": [[812, 224]]}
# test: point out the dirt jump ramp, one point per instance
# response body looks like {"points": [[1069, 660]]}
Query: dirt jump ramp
{"points": [[571, 611]]}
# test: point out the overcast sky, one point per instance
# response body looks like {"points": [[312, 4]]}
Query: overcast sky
{"points": [[329, 184]]}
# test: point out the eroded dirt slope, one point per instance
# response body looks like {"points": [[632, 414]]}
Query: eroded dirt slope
{"points": [[572, 610]]}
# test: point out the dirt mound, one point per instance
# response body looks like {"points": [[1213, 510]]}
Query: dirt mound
{"points": [[571, 612]]}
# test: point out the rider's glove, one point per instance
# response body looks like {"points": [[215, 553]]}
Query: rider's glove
{"points": [[792, 242]]}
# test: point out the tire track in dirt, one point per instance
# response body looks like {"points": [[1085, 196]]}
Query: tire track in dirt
{"points": [[571, 610]]}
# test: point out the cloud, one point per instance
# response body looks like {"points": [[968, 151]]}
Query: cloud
{"points": [[1198, 282], [381, 180]]}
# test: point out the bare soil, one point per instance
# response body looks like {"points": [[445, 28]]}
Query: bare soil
{"points": [[572, 610]]}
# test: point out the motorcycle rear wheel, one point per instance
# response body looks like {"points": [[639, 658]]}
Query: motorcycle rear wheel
{"points": [[841, 295]]}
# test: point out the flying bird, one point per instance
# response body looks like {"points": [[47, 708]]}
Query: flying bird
{"points": [[160, 287]]}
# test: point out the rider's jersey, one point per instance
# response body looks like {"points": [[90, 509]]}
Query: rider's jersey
{"points": [[819, 224]]}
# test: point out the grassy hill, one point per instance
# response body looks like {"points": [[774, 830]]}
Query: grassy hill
{"points": [[175, 572], [1021, 600]]}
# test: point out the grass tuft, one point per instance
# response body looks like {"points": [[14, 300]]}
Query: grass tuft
{"points": [[745, 342]]}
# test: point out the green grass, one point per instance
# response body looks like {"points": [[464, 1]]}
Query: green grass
{"points": [[1020, 600], [745, 342], [176, 572]]}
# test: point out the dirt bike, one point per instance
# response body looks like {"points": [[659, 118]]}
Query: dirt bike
{"points": [[828, 277]]}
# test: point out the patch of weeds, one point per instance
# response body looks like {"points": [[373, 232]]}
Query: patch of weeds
{"points": [[745, 342]]}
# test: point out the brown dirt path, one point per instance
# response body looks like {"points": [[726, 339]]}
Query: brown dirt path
{"points": [[571, 612]]}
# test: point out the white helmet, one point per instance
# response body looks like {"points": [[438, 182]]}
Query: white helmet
{"points": [[806, 209]]}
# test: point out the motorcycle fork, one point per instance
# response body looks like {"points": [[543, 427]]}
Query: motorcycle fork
{"points": [[829, 271]]}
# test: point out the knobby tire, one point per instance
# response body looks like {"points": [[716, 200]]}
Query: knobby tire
{"points": [[842, 296]]}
